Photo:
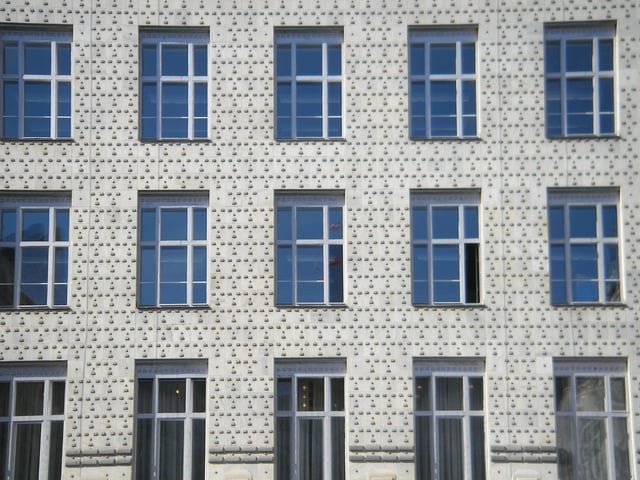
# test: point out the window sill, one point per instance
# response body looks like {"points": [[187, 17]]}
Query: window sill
{"points": [[37, 140], [590, 305], [608, 136], [311, 140], [164, 308], [451, 306], [445, 139], [36, 308], [313, 306], [151, 141]]}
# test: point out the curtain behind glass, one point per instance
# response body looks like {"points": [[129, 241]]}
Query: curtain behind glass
{"points": [[55, 450], [197, 449], [566, 454], [337, 448], [423, 448], [144, 449], [310, 449], [592, 441], [477, 448], [283, 448], [450, 449], [170, 458], [4, 443], [27, 456]]}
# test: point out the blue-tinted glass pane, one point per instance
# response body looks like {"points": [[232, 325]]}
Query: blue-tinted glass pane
{"points": [[147, 294], [10, 109], [10, 59], [552, 56], [309, 223], [610, 221], [605, 54], [149, 60], [173, 264], [174, 100], [582, 222], [283, 223], [606, 95], [149, 110], [7, 225], [309, 126], [173, 293], [416, 59], [148, 225], [37, 127], [60, 294], [471, 222], [334, 59], [469, 58], [200, 128], [175, 60], [64, 99], [64, 59], [420, 275], [556, 223], [309, 99], [553, 108], [446, 262], [173, 224], [446, 291], [33, 294], [335, 222], [148, 265], [419, 223], [444, 222], [558, 273], [37, 109], [579, 55], [558, 292], [310, 292], [443, 108], [199, 264], [309, 60], [310, 270], [418, 110], [442, 58], [607, 123], [200, 60], [35, 264], [579, 106], [61, 265], [62, 224], [469, 127], [334, 127], [469, 98], [199, 223], [37, 58], [64, 127], [199, 292], [35, 225], [284, 276], [584, 291], [283, 110], [335, 274], [283, 60], [335, 99], [611, 268], [200, 99], [584, 262], [174, 127]]}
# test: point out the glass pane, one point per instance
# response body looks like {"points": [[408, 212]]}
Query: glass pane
{"points": [[283, 60], [336, 293], [337, 448], [310, 454], [444, 222], [618, 394], [469, 58], [171, 395], [145, 395], [7, 225], [579, 55], [443, 108], [198, 438], [610, 221], [450, 448], [10, 58], [7, 259], [309, 60], [27, 451], [61, 265], [283, 110], [29, 398], [478, 469], [309, 223], [170, 457], [419, 223], [471, 222], [420, 274], [35, 225], [62, 224], [147, 275], [621, 449], [590, 394], [416, 59], [174, 100], [611, 269], [579, 106], [199, 224], [55, 450], [592, 443], [175, 60], [310, 270], [284, 450], [149, 60], [310, 394], [563, 394], [337, 394], [423, 448], [200, 100], [309, 110], [199, 395], [449, 393], [423, 393], [200, 128], [446, 262], [57, 398], [565, 444], [476, 394], [64, 99], [149, 110], [335, 99], [335, 222], [472, 272], [144, 450], [469, 98], [605, 87], [148, 225], [553, 108], [334, 59], [200, 60], [37, 109], [418, 110], [552, 56], [10, 98], [284, 276], [173, 264], [4, 441], [283, 395], [605, 54], [5, 389], [556, 223], [199, 264], [582, 222], [558, 274], [37, 59], [584, 272], [442, 58], [173, 225], [64, 59]]}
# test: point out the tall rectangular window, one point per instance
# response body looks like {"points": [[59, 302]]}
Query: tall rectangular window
{"points": [[172, 249], [592, 431], [32, 398], [449, 419], [309, 248], [174, 83], [442, 82], [309, 92], [445, 244], [34, 250], [171, 411], [580, 79], [35, 82], [310, 420], [584, 242]]}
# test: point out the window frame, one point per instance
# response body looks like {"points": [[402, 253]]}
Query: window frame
{"points": [[174, 37], [327, 369], [458, 34], [310, 36], [598, 198], [190, 371], [159, 201], [434, 368], [52, 203], [319, 199], [34, 372], [452, 199], [45, 36], [607, 369], [593, 31]]}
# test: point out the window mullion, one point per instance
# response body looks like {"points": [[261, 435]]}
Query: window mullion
{"points": [[18, 258], [461, 256], [190, 91], [600, 252], [158, 254], [596, 86], [567, 255], [430, 276], [189, 245], [325, 93], [325, 253], [45, 431], [458, 80], [50, 257]]}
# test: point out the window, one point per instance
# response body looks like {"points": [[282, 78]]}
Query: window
{"points": [[579, 76], [171, 402], [172, 250], [442, 76], [445, 243], [591, 420], [32, 398], [36, 83], [309, 248], [449, 420], [310, 420], [308, 84], [583, 243], [34, 250], [174, 84]]}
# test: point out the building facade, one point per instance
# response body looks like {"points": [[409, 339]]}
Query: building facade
{"points": [[381, 240]]}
